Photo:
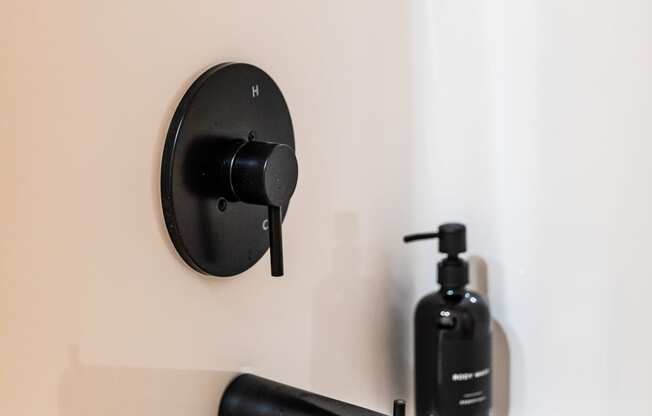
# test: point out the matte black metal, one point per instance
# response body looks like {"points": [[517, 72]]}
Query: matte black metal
{"points": [[275, 239], [250, 395], [264, 173], [229, 154], [399, 408]]}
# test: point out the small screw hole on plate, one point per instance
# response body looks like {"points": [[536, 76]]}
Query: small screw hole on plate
{"points": [[221, 204]]}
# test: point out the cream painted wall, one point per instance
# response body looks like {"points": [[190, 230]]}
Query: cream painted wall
{"points": [[528, 120], [98, 313]]}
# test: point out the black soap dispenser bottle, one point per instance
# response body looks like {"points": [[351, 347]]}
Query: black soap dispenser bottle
{"points": [[452, 337]]}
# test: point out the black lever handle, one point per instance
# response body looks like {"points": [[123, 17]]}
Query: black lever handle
{"points": [[275, 221], [266, 174]]}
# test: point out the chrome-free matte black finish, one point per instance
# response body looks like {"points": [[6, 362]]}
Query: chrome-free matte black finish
{"points": [[250, 395], [229, 170]]}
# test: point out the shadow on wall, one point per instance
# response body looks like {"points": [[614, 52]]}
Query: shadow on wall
{"points": [[98, 390], [351, 308], [501, 357]]}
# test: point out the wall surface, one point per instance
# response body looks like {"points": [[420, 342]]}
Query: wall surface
{"points": [[539, 117], [98, 313], [528, 120]]}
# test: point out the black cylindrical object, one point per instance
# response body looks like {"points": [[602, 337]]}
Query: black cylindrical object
{"points": [[452, 338], [250, 395], [264, 173]]}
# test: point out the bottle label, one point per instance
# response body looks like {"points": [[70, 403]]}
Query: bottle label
{"points": [[465, 377]]}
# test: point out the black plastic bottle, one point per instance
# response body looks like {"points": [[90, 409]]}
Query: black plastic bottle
{"points": [[452, 337]]}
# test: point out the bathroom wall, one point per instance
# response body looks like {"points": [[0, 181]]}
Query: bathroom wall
{"points": [[98, 313], [538, 122], [527, 120]]}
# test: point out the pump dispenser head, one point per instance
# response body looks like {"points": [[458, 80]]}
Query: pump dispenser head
{"points": [[453, 271]]}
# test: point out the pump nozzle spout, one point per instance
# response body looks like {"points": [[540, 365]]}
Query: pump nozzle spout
{"points": [[452, 238], [420, 236]]}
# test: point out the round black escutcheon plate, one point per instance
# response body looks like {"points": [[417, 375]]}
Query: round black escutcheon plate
{"points": [[228, 102]]}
